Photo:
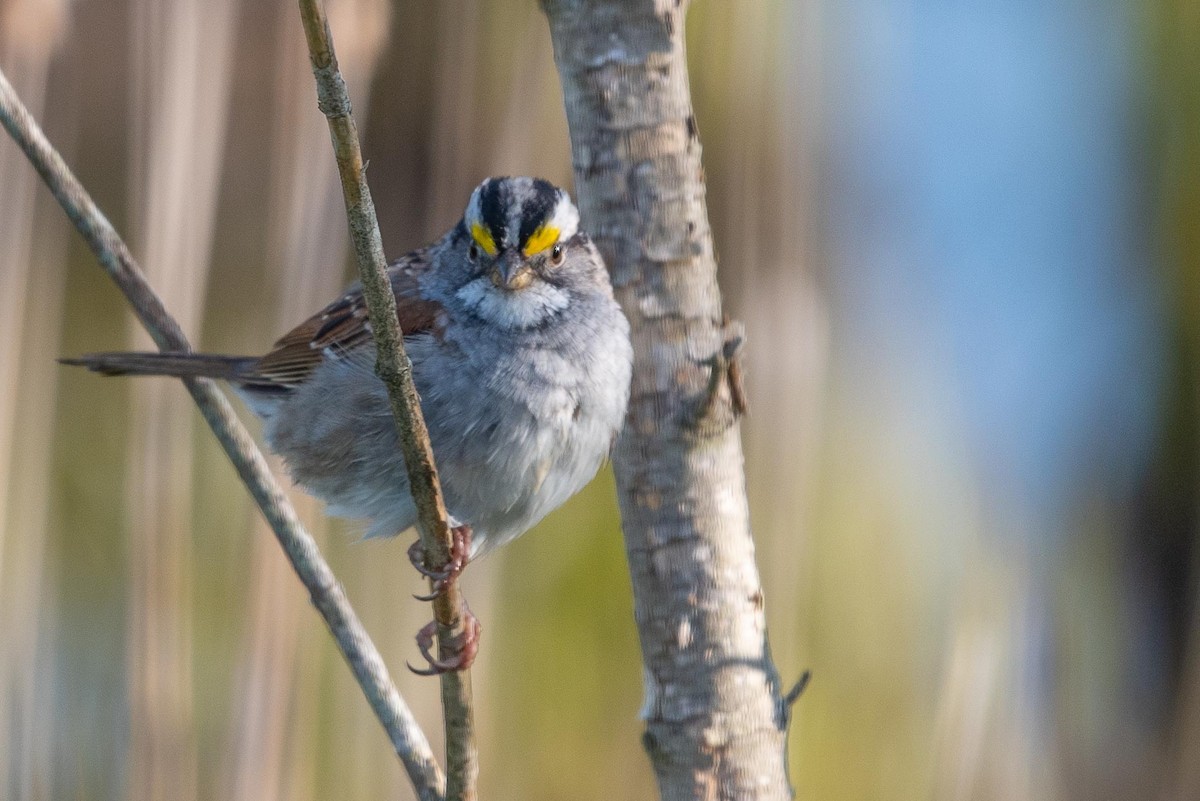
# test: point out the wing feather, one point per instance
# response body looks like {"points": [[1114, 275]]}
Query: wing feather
{"points": [[343, 326]]}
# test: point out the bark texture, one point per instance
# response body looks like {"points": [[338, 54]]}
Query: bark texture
{"points": [[715, 718]]}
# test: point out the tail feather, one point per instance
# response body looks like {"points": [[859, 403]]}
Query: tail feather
{"points": [[182, 365]]}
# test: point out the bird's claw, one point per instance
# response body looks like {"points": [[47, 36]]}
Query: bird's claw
{"points": [[461, 648], [460, 551]]}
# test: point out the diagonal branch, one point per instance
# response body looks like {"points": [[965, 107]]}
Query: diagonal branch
{"points": [[326, 593], [394, 369]]}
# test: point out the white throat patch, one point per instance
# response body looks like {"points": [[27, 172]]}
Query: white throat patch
{"points": [[523, 308]]}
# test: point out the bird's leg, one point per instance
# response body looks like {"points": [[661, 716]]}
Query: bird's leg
{"points": [[460, 648], [460, 552]]}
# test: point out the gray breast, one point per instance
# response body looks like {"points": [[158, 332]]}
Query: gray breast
{"points": [[517, 427]]}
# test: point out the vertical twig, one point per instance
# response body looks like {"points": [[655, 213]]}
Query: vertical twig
{"points": [[326, 593], [395, 370]]}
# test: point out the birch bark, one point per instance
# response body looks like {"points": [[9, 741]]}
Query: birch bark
{"points": [[716, 721]]}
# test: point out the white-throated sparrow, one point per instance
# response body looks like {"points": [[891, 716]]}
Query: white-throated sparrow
{"points": [[520, 355]]}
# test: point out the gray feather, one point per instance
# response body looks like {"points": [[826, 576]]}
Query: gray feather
{"points": [[523, 389]]}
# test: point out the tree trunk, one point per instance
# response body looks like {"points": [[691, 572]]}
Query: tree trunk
{"points": [[715, 718]]}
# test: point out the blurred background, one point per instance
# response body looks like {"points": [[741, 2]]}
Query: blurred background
{"points": [[965, 241]]}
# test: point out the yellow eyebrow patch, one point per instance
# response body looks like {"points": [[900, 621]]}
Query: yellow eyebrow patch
{"points": [[539, 240], [483, 238]]}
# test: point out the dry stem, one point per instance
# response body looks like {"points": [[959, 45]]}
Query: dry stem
{"points": [[326, 593], [395, 370]]}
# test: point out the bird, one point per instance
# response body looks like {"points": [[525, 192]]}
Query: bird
{"points": [[521, 357]]}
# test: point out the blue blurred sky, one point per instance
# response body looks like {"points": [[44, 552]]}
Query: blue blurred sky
{"points": [[987, 221]]}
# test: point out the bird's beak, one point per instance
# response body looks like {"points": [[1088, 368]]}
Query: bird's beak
{"points": [[511, 272]]}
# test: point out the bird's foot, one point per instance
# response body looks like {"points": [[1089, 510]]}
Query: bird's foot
{"points": [[460, 552], [460, 648]]}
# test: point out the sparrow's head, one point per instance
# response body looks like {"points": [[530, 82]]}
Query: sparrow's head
{"points": [[525, 258]]}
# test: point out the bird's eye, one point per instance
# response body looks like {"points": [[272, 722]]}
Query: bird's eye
{"points": [[473, 253], [557, 254]]}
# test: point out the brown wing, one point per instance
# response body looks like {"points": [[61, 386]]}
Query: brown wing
{"points": [[343, 326]]}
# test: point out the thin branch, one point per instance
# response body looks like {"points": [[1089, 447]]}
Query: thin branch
{"points": [[326, 593], [395, 370]]}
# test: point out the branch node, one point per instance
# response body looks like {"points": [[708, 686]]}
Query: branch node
{"points": [[724, 399], [797, 690], [332, 97]]}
